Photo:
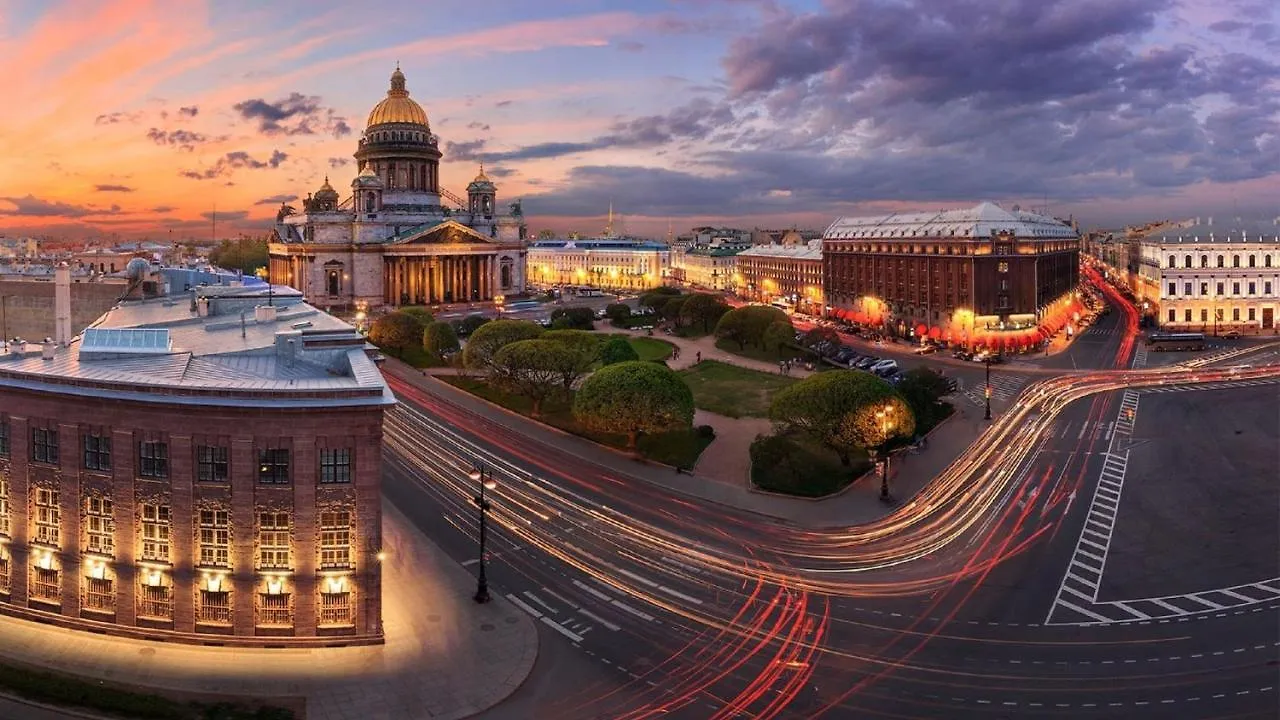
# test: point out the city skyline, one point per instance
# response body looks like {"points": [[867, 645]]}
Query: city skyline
{"points": [[140, 118]]}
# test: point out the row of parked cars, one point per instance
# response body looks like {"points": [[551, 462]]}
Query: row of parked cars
{"points": [[845, 356]]}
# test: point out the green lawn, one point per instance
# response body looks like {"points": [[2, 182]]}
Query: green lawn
{"points": [[731, 390], [798, 466], [651, 349], [416, 357], [679, 448], [755, 353]]}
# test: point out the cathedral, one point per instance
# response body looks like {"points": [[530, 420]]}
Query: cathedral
{"points": [[399, 238]]}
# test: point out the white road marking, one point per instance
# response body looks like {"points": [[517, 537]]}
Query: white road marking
{"points": [[600, 620], [523, 606], [592, 591], [562, 630], [638, 613]]}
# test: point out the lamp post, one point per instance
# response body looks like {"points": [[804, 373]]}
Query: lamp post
{"points": [[484, 477], [986, 360], [885, 416]]}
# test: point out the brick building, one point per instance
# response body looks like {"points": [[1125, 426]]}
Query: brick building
{"points": [[195, 467], [790, 273], [977, 276]]}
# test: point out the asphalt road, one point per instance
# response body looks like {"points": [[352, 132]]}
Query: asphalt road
{"points": [[653, 605]]}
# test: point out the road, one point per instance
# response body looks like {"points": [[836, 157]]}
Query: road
{"points": [[980, 597]]}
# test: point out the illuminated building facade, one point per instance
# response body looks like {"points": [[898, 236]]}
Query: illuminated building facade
{"points": [[1207, 278], [978, 276], [609, 263], [200, 468], [791, 273], [399, 238], [706, 267]]}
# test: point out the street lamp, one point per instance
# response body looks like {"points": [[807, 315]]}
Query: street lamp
{"points": [[986, 360], [885, 417], [484, 477]]}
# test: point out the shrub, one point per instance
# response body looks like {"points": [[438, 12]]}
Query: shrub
{"points": [[634, 397], [396, 331], [439, 339], [573, 318], [617, 350], [837, 409], [747, 325], [419, 313], [617, 312]]}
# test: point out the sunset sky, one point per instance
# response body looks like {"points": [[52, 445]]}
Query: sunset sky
{"points": [[138, 118]]}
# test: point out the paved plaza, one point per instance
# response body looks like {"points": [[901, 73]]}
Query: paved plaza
{"points": [[445, 657]]}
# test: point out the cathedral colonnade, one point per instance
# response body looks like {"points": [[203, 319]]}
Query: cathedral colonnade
{"points": [[430, 280]]}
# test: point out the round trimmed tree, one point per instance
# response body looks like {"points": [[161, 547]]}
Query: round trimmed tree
{"points": [[634, 397], [439, 339], [838, 408], [396, 331], [533, 368], [617, 350], [491, 337]]}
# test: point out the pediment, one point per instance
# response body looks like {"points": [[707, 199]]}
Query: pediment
{"points": [[449, 232]]}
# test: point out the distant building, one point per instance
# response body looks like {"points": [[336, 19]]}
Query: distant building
{"points": [[709, 267], [203, 468], [610, 263], [1211, 278], [786, 273], [979, 276]]}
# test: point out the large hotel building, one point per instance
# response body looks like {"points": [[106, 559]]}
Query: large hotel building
{"points": [[197, 468], [978, 276]]}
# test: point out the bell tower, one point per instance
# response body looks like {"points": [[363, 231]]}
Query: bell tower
{"points": [[482, 196]]}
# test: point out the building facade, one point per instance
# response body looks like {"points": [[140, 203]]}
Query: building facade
{"points": [[707, 267], [200, 470], [400, 238], [609, 263], [979, 276], [790, 273], [1212, 278]]}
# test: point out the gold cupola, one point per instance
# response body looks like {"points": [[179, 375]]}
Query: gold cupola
{"points": [[396, 107]]}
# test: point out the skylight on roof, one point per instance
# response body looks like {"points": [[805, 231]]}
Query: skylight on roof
{"points": [[126, 340]]}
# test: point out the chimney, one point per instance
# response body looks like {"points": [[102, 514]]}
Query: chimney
{"points": [[62, 304], [202, 307], [264, 313]]}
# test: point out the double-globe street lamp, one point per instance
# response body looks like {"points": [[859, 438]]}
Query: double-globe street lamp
{"points": [[484, 477], [884, 416]]}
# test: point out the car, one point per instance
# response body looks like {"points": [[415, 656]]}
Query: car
{"points": [[962, 354], [926, 349], [1231, 334], [866, 362], [883, 365], [842, 355]]}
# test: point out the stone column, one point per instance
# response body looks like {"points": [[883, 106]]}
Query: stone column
{"points": [[304, 536], [182, 533], [244, 466], [19, 507], [68, 554], [124, 514]]}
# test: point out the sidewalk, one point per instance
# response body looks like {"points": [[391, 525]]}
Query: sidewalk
{"points": [[690, 347], [445, 656], [859, 504]]}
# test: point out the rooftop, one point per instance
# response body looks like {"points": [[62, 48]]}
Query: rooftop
{"points": [[608, 243], [243, 346], [811, 250], [979, 221], [1205, 230]]}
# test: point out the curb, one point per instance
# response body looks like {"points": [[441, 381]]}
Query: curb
{"points": [[67, 711]]}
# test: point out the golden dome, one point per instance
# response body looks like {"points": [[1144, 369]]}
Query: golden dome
{"points": [[481, 177], [396, 107]]}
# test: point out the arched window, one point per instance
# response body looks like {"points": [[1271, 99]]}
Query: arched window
{"points": [[1204, 261], [1173, 261], [1186, 261], [1235, 261], [1266, 260], [1220, 260], [1253, 261], [371, 202]]}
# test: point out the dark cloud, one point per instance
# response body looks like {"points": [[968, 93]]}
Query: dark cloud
{"points": [[339, 162], [163, 209], [113, 188], [189, 111], [276, 199], [296, 114], [477, 125], [226, 215], [503, 103], [875, 100], [117, 117], [234, 161], [500, 172], [31, 206], [181, 139]]}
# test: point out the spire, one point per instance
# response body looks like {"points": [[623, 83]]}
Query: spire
{"points": [[608, 228], [397, 84]]}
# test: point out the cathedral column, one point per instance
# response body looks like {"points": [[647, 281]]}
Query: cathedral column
{"points": [[469, 276], [458, 294], [489, 286]]}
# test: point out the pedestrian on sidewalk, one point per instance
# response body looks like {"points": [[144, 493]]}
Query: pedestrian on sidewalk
{"points": [[699, 356]]}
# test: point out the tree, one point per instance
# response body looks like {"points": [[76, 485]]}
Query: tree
{"points": [[396, 331], [421, 314], [632, 398], [469, 324], [704, 308], [777, 335], [818, 334], [923, 389], [747, 324], [439, 339], [830, 408], [245, 255], [658, 297], [491, 337], [672, 309], [617, 350], [617, 312], [532, 368], [546, 234], [585, 347], [573, 318]]}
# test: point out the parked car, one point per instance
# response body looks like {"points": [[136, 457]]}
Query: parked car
{"points": [[926, 349], [962, 354], [866, 362], [1231, 334], [880, 367], [843, 355]]}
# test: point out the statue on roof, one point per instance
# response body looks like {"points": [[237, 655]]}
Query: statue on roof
{"points": [[517, 209], [284, 212]]}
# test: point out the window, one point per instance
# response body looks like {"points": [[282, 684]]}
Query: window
{"points": [[155, 600], [1204, 261], [153, 459], [1222, 289], [97, 453], [1266, 261], [1253, 260], [215, 606], [212, 464], [1252, 316], [4, 437], [215, 538], [1204, 288], [335, 602], [335, 466], [1266, 287], [1186, 288], [1173, 289], [99, 527], [48, 518], [1235, 288], [44, 445], [1235, 314], [273, 604], [335, 539], [6, 576], [1172, 261], [273, 541], [99, 594], [1235, 261], [1187, 315], [1220, 260], [1253, 288], [1186, 261], [5, 518], [273, 466], [155, 532], [46, 584], [1204, 315], [1002, 267]]}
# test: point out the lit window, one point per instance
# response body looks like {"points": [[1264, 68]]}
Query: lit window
{"points": [[155, 532], [5, 518], [48, 518], [215, 538], [273, 466], [99, 526], [155, 597], [99, 589], [335, 539], [273, 541]]}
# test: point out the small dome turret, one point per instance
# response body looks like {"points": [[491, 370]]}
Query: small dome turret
{"points": [[367, 178], [482, 183]]}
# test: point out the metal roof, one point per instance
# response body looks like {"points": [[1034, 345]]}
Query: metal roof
{"points": [[979, 221], [131, 341], [811, 250]]}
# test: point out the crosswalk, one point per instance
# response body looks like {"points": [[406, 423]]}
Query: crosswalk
{"points": [[1128, 413], [572, 619], [1003, 387], [1139, 357], [1224, 385], [1079, 589]]}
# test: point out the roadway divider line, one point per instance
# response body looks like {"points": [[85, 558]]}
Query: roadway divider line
{"points": [[627, 608], [680, 595], [523, 606], [600, 620], [592, 591], [562, 630]]}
